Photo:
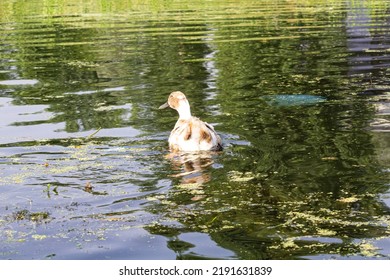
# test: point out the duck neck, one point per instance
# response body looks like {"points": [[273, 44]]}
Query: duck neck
{"points": [[184, 111]]}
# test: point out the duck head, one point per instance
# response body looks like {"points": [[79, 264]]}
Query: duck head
{"points": [[178, 101]]}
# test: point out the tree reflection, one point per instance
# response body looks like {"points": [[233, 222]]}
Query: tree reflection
{"points": [[300, 181]]}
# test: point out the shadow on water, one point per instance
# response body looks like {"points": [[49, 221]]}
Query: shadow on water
{"points": [[299, 95]]}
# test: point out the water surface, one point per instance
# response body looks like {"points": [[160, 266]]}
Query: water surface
{"points": [[298, 90]]}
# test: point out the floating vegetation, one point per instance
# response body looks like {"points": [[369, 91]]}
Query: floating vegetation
{"points": [[29, 216], [93, 134], [289, 243], [14, 236], [326, 232], [348, 199], [39, 236], [78, 63], [368, 249], [301, 175], [236, 176]]}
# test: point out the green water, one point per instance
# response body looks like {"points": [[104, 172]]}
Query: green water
{"points": [[298, 90]]}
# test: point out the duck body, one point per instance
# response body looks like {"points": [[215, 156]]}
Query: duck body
{"points": [[190, 133], [194, 135]]}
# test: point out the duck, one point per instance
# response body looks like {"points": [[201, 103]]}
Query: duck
{"points": [[190, 134]]}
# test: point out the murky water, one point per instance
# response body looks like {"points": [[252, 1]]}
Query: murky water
{"points": [[298, 90]]}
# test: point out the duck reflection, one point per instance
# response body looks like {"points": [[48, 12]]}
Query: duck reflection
{"points": [[193, 168]]}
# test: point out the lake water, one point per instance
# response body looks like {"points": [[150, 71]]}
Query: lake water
{"points": [[298, 90]]}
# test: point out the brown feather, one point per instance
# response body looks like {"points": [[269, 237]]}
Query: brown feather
{"points": [[204, 135], [188, 133]]}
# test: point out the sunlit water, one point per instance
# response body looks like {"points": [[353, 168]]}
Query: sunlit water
{"points": [[298, 90]]}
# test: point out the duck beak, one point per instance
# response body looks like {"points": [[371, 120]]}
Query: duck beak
{"points": [[165, 105]]}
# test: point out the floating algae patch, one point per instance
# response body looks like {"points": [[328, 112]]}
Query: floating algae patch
{"points": [[350, 199], [190, 186], [289, 243], [326, 232], [368, 249], [39, 236], [315, 246], [29, 216], [18, 226], [349, 214], [52, 163], [13, 236], [312, 226], [236, 176], [55, 167], [315, 221]]}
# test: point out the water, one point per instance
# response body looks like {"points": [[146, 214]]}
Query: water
{"points": [[298, 90]]}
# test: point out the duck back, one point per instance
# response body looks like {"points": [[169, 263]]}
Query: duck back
{"points": [[194, 135]]}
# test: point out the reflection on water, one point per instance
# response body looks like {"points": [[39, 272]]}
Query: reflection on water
{"points": [[299, 93], [192, 167]]}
